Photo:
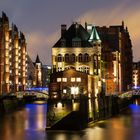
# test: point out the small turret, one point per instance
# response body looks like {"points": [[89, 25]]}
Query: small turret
{"points": [[94, 37]]}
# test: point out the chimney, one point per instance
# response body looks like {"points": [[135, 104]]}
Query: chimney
{"points": [[63, 29]]}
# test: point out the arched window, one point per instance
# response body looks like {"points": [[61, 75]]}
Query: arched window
{"points": [[73, 57], [59, 58], [66, 57], [80, 57], [63, 42], [95, 61], [86, 57]]}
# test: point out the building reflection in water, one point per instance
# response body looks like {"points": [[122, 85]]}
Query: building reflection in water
{"points": [[29, 124]]}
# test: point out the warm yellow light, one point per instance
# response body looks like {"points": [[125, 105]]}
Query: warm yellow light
{"points": [[72, 79], [59, 105], [58, 79], [74, 90]]}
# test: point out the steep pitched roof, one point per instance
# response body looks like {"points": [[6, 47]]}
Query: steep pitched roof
{"points": [[75, 31], [37, 59], [94, 35]]}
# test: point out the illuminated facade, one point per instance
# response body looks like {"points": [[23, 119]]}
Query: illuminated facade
{"points": [[38, 72], [80, 50], [70, 83], [31, 73], [136, 74], [13, 68], [103, 52], [117, 57]]}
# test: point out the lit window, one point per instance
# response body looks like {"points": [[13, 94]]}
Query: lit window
{"points": [[74, 90], [10, 40], [64, 91], [58, 79], [72, 79], [78, 79], [64, 79]]}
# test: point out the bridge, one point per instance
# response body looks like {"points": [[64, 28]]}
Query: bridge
{"points": [[129, 94], [37, 93]]}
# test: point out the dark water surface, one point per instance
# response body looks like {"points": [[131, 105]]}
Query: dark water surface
{"points": [[29, 124]]}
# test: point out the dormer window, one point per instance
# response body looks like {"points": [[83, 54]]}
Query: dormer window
{"points": [[63, 42], [76, 42]]}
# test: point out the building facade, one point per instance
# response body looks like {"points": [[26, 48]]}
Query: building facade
{"points": [[13, 58], [136, 75], [79, 50], [117, 56], [38, 74], [46, 72], [103, 52]]}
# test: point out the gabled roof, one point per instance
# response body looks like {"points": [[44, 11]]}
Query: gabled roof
{"points": [[75, 31]]}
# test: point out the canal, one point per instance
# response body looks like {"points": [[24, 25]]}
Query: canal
{"points": [[29, 123]]}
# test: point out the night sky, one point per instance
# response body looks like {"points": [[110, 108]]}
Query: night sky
{"points": [[40, 20]]}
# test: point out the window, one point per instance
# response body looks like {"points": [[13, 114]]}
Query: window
{"points": [[59, 68], [78, 79], [76, 42], [73, 58], [64, 79], [74, 90], [72, 79], [64, 91], [58, 79], [84, 69], [86, 57], [80, 57], [59, 58], [66, 57], [95, 61], [63, 42]]}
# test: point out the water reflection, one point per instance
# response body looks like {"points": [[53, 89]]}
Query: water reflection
{"points": [[29, 124], [26, 123]]}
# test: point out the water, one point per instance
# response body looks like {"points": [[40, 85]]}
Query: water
{"points": [[29, 124]]}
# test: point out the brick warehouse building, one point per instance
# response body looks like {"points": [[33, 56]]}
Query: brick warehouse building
{"points": [[102, 52], [117, 56], [13, 57]]}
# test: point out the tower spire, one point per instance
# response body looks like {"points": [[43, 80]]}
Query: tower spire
{"points": [[37, 59], [94, 35]]}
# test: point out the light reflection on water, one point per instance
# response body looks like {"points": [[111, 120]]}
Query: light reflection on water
{"points": [[29, 124]]}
